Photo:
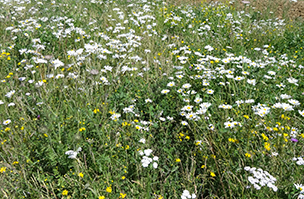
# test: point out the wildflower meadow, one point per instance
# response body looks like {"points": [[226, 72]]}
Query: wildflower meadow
{"points": [[150, 99]]}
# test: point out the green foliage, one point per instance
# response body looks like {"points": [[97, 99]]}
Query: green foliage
{"points": [[88, 88]]}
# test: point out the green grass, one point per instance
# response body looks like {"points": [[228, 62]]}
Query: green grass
{"points": [[226, 90]]}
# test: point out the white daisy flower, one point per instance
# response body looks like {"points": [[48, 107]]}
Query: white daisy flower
{"points": [[165, 91], [184, 123], [210, 91], [6, 122], [186, 85]]}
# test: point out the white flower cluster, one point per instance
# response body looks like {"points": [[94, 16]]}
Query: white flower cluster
{"points": [[146, 160], [232, 124], [72, 154], [261, 110], [299, 160], [186, 194], [225, 106], [284, 106], [187, 112], [249, 101], [261, 178]]}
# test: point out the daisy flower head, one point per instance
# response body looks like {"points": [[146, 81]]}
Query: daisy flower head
{"points": [[165, 91], [187, 108], [210, 91], [251, 81], [179, 76], [222, 83], [225, 61], [180, 90], [10, 94], [170, 84], [224, 106], [271, 73], [148, 100], [186, 85], [245, 73], [299, 187], [11, 104], [162, 119], [286, 107], [285, 96], [191, 116], [239, 78], [209, 48], [229, 124], [115, 116], [182, 113], [198, 100], [142, 140], [184, 123], [6, 122], [301, 113], [294, 102], [280, 85], [211, 127], [205, 83], [292, 81]]}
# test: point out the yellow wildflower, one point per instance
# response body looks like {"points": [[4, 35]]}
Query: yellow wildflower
{"points": [[65, 192], [109, 189], [2, 170]]}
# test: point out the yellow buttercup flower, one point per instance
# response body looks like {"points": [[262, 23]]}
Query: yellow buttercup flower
{"points": [[109, 189], [65, 192], [248, 155], [2, 170]]}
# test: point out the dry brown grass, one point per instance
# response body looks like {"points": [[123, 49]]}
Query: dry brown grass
{"points": [[280, 8]]}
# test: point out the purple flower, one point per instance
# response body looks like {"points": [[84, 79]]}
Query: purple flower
{"points": [[38, 117], [294, 140]]}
